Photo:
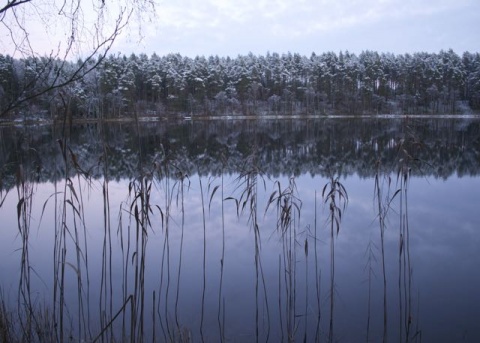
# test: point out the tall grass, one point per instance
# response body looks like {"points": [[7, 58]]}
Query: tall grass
{"points": [[317, 271], [106, 284], [248, 182], [369, 266], [204, 260], [163, 172], [25, 306], [70, 230], [184, 183], [383, 199], [287, 206], [387, 196], [139, 216], [7, 326], [173, 183], [221, 300], [336, 198], [407, 149]]}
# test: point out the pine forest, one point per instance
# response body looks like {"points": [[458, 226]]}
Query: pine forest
{"points": [[42, 88]]}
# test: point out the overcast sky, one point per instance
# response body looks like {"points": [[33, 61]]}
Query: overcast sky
{"points": [[233, 27], [229, 28]]}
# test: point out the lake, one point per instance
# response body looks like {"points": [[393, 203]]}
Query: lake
{"points": [[332, 229]]}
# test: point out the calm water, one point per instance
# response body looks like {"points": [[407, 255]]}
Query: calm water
{"points": [[139, 221]]}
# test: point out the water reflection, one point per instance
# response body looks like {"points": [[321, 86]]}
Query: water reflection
{"points": [[223, 231], [342, 146]]}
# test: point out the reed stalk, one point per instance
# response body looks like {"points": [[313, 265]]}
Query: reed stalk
{"points": [[25, 192], [407, 149], [336, 197], [221, 323], [317, 274], [305, 247], [106, 284], [288, 209], [182, 179], [204, 264], [212, 190], [247, 184], [68, 231], [383, 202], [370, 259], [164, 173]]}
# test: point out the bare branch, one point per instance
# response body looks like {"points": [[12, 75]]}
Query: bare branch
{"points": [[80, 72], [11, 5], [69, 14]]}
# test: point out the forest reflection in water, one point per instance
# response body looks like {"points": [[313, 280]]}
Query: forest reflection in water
{"points": [[347, 229]]}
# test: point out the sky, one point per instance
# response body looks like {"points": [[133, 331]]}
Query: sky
{"points": [[230, 28], [238, 27]]}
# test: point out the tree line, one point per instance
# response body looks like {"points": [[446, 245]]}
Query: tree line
{"points": [[287, 84]]}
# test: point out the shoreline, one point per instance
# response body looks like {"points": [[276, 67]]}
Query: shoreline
{"points": [[147, 119]]}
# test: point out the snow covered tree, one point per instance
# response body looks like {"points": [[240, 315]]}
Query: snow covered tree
{"points": [[472, 83], [290, 83], [9, 85]]}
